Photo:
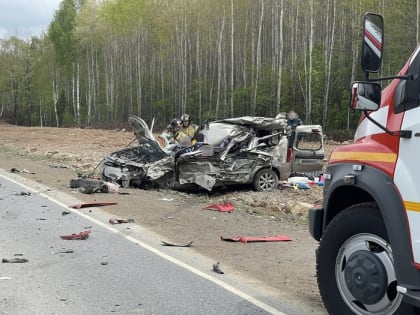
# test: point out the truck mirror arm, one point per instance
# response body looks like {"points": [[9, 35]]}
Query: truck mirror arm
{"points": [[398, 133], [402, 77]]}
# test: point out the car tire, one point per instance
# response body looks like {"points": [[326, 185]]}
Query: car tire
{"points": [[265, 180], [104, 189], [354, 244]]}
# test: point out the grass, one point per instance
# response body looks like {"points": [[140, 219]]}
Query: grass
{"points": [[6, 149], [15, 151]]}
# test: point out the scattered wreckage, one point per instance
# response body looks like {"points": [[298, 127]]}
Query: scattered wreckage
{"points": [[246, 150]]}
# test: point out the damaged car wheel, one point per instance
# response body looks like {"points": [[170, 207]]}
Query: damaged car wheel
{"points": [[265, 180]]}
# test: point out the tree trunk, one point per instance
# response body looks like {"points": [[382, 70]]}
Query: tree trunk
{"points": [[258, 61], [232, 33], [78, 94], [55, 98], [219, 64], [308, 116], [198, 64], [328, 82], [280, 60]]}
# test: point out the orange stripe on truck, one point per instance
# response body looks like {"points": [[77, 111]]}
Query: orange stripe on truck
{"points": [[365, 156], [412, 206]]}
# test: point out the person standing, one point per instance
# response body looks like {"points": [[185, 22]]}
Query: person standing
{"points": [[293, 119]]}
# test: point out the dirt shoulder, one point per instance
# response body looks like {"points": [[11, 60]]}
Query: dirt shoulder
{"points": [[53, 156]]}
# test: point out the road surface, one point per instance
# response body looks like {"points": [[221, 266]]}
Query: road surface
{"points": [[118, 269]]}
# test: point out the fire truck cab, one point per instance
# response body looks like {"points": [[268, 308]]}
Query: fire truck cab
{"points": [[368, 228]]}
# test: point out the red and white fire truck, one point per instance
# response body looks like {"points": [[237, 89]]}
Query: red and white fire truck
{"points": [[368, 259]]}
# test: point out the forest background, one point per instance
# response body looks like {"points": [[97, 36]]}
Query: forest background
{"points": [[101, 61]]}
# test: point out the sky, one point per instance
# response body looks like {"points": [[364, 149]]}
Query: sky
{"points": [[26, 18]]}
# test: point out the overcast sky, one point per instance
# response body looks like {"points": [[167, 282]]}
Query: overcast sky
{"points": [[26, 18]]}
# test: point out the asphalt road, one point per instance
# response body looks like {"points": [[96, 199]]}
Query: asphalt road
{"points": [[118, 269]]}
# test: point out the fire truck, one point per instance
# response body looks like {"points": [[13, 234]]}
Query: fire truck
{"points": [[368, 227]]}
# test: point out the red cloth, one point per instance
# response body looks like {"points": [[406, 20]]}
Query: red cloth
{"points": [[222, 207]]}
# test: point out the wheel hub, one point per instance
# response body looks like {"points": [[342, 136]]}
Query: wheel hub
{"points": [[366, 277]]}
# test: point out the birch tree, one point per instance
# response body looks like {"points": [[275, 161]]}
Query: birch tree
{"points": [[329, 54], [219, 62], [280, 58], [258, 60]]}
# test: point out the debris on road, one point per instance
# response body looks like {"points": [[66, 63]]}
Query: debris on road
{"points": [[14, 260], [177, 245], [58, 166], [216, 268], [23, 193], [15, 170], [222, 207], [66, 251], [93, 185], [92, 204], [80, 236], [120, 221], [250, 239], [65, 212]]}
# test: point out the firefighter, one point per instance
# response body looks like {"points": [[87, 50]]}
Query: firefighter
{"points": [[175, 132], [188, 127]]}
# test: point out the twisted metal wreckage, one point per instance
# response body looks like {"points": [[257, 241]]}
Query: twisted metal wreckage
{"points": [[246, 150]]}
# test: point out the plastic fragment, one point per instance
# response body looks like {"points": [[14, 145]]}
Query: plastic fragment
{"points": [[250, 239], [92, 204], [14, 260], [177, 245], [120, 221], [216, 268], [80, 236]]}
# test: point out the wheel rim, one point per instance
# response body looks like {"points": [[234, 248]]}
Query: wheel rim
{"points": [[365, 275], [266, 181]]}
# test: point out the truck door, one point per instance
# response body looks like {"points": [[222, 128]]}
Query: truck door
{"points": [[308, 149], [407, 174]]}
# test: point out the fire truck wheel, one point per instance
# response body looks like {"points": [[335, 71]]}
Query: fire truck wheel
{"points": [[355, 265], [265, 180]]}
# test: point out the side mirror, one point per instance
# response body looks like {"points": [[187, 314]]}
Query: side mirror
{"points": [[365, 96], [373, 38]]}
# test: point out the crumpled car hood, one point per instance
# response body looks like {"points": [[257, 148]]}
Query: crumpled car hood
{"points": [[141, 130]]}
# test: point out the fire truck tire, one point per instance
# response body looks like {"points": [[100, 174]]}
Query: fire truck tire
{"points": [[265, 180], [354, 244]]}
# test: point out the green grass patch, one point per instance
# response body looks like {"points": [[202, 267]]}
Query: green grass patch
{"points": [[6, 149], [15, 151]]}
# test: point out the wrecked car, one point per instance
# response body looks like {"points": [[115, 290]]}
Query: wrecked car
{"points": [[258, 151]]}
